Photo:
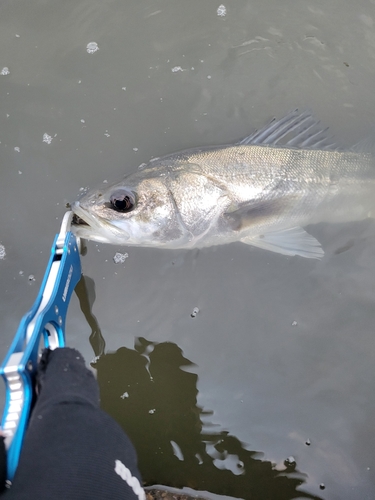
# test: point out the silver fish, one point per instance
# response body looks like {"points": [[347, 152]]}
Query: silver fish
{"points": [[260, 191]]}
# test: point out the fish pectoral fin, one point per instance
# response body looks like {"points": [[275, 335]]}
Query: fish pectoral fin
{"points": [[293, 241]]}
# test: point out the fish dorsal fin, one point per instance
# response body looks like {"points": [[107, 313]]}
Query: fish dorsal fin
{"points": [[293, 241], [298, 129], [365, 146]]}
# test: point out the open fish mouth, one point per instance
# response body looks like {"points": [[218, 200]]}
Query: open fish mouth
{"points": [[78, 221], [91, 226], [81, 217]]}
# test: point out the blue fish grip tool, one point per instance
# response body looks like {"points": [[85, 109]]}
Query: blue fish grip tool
{"points": [[43, 326]]}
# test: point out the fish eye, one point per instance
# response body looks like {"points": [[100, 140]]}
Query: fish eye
{"points": [[122, 200]]}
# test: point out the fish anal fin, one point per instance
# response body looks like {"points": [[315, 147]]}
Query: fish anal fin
{"points": [[292, 241]]}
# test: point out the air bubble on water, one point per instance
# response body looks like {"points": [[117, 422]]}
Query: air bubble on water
{"points": [[152, 411], [125, 395], [106, 134], [221, 11], [8, 115], [2, 252], [79, 81], [83, 121], [20, 172], [195, 312], [176, 69], [119, 258], [294, 323], [105, 181], [31, 277], [123, 88], [135, 149], [20, 273], [92, 47], [47, 138], [5, 71], [17, 149], [17, 36], [209, 77], [290, 460]]}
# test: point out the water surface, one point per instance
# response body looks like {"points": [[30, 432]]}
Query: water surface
{"points": [[281, 352]]}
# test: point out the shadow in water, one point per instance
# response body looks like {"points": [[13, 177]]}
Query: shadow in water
{"points": [[85, 291], [151, 391]]}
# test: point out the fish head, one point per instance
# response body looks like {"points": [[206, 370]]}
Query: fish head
{"points": [[137, 211]]}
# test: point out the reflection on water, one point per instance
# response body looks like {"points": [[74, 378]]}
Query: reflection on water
{"points": [[154, 398], [151, 391]]}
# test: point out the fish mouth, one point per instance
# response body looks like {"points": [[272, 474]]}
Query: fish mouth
{"points": [[90, 226], [77, 221]]}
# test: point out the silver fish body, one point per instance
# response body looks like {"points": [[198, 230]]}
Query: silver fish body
{"points": [[257, 191]]}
